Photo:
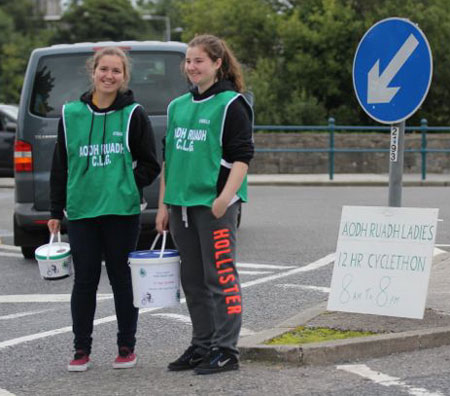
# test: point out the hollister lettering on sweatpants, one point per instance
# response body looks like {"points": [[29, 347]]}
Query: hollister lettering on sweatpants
{"points": [[208, 274], [229, 281]]}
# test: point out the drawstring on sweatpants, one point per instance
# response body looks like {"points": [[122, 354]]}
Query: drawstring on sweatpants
{"points": [[184, 216]]}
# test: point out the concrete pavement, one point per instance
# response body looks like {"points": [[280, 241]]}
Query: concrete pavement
{"points": [[347, 179], [321, 179]]}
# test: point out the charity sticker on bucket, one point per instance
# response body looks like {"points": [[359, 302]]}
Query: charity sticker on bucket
{"points": [[155, 276], [54, 259]]}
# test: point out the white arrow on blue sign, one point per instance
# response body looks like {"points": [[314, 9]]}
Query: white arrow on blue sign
{"points": [[392, 70]]}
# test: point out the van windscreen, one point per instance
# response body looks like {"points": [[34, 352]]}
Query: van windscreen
{"points": [[156, 79]]}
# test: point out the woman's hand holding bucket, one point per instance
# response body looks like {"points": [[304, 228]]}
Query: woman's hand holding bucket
{"points": [[54, 226], [162, 219]]}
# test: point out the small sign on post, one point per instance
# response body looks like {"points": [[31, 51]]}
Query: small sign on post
{"points": [[383, 260], [393, 154]]}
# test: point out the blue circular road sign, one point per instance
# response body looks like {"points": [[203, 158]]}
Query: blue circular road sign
{"points": [[392, 70]]}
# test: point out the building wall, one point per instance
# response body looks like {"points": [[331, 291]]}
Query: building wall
{"points": [[49, 7]]}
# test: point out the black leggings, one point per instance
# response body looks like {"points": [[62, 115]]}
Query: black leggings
{"points": [[114, 237]]}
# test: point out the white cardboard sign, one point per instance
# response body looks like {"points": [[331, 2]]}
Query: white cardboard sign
{"points": [[383, 260]]}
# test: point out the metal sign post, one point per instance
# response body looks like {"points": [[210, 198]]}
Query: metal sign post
{"points": [[396, 154]]}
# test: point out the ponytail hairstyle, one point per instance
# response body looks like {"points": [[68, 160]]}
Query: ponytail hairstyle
{"points": [[93, 61], [216, 48]]}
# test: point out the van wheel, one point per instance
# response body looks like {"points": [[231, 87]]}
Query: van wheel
{"points": [[28, 251]]}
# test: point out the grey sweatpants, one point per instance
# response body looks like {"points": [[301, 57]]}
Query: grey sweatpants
{"points": [[207, 248]]}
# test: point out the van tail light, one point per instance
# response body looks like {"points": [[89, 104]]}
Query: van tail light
{"points": [[23, 157]]}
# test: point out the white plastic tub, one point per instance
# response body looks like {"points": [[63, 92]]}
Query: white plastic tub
{"points": [[155, 275], [54, 259]]}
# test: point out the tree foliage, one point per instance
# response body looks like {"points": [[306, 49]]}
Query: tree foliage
{"points": [[297, 54], [100, 20], [22, 31]]}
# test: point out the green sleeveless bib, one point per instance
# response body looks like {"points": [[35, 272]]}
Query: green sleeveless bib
{"points": [[194, 149], [100, 173]]}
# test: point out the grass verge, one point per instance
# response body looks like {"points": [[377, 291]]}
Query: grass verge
{"points": [[305, 335]]}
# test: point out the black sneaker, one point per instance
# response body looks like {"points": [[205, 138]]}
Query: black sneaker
{"points": [[218, 360], [191, 357]]}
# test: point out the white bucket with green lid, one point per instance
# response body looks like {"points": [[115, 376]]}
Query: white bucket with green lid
{"points": [[54, 259], [155, 276]]}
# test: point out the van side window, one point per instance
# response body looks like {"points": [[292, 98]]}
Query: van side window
{"points": [[156, 79]]}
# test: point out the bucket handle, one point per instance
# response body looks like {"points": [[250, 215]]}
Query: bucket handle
{"points": [[52, 236], [163, 245]]}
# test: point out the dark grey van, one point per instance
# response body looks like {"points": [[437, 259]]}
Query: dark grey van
{"points": [[56, 75]]}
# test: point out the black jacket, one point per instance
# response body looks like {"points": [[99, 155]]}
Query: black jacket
{"points": [[142, 147]]}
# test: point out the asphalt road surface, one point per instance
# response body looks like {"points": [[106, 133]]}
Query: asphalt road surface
{"points": [[286, 244]]}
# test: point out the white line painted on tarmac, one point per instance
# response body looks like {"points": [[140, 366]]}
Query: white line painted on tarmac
{"points": [[177, 317], [244, 272], [385, 380], [62, 330], [6, 254], [246, 332], [309, 287], [10, 247], [310, 267], [187, 320], [44, 298], [4, 392], [268, 266], [22, 314], [33, 337]]}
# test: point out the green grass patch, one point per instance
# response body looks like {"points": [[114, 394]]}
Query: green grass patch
{"points": [[304, 335]]}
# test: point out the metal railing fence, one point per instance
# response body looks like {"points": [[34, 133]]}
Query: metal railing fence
{"points": [[331, 128]]}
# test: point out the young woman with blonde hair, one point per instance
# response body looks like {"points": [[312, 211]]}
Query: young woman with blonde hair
{"points": [[104, 157]]}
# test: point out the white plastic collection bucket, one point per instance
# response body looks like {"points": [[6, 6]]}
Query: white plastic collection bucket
{"points": [[54, 259], [155, 275]]}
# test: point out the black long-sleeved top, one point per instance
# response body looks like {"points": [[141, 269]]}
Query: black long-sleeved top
{"points": [[142, 147], [237, 137]]}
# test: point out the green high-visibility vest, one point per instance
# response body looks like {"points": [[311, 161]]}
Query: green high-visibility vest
{"points": [[100, 173], [193, 152]]}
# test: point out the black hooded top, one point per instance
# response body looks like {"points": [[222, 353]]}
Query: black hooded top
{"points": [[142, 147]]}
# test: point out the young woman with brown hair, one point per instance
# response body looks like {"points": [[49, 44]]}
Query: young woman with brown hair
{"points": [[208, 147]]}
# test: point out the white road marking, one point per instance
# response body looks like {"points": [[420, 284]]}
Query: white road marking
{"points": [[437, 251], [21, 314], [32, 337], [6, 254], [243, 272], [177, 317], [310, 267], [385, 380], [44, 298], [246, 332], [4, 392], [268, 266], [310, 287], [187, 320], [10, 247]]}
